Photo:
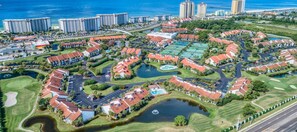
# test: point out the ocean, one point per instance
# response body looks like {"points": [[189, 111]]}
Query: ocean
{"points": [[55, 9]]}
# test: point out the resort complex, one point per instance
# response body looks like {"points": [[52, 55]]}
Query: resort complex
{"points": [[228, 71]]}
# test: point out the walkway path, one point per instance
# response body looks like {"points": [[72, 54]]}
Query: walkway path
{"points": [[20, 126], [253, 102]]}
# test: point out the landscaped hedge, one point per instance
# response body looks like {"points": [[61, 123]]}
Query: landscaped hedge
{"points": [[99, 62], [89, 82]]}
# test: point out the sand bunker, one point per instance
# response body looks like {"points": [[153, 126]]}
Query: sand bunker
{"points": [[292, 86], [11, 99], [278, 88], [272, 79]]}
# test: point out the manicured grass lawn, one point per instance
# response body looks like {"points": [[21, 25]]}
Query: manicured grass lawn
{"points": [[102, 66], [88, 90], [269, 100], [28, 89]]}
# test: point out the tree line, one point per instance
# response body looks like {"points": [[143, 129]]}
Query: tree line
{"points": [[2, 113]]}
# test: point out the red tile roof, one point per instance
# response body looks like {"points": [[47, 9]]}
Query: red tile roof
{"points": [[189, 63], [188, 36], [163, 58], [123, 66], [240, 87], [131, 51], [64, 57], [214, 95]]}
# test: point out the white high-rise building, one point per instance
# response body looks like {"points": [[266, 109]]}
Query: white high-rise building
{"points": [[238, 6], [113, 19], [27, 25], [186, 9], [201, 12], [79, 24]]}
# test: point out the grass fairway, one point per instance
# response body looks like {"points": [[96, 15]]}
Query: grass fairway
{"points": [[27, 89], [88, 90]]}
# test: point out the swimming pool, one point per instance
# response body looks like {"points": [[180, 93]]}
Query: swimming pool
{"points": [[156, 92], [168, 67]]}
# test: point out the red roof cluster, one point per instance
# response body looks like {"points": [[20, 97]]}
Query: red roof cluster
{"points": [[231, 50], [265, 68], [74, 44], [214, 95], [130, 99], [70, 110], [122, 68], [160, 57], [117, 37], [131, 51], [259, 36], [21, 38], [169, 25], [188, 36], [160, 41], [53, 84], [94, 48], [240, 87], [288, 55], [189, 63], [173, 30], [274, 42], [65, 57], [234, 32]]}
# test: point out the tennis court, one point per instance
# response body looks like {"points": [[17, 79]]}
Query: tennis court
{"points": [[196, 51]]}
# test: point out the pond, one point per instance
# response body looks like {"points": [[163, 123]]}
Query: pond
{"points": [[48, 123], [55, 46], [167, 111], [148, 71], [11, 75], [285, 75]]}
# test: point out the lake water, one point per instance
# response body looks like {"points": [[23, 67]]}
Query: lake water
{"points": [[11, 75], [148, 71], [168, 110], [86, 8]]}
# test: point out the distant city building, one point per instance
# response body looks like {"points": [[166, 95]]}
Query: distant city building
{"points": [[79, 24], [113, 19], [238, 6], [219, 13], [186, 9], [27, 25], [162, 18], [201, 12], [140, 19]]}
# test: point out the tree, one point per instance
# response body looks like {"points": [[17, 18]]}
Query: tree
{"points": [[248, 110], [78, 122], [19, 71], [43, 103], [180, 120], [259, 86], [2, 113], [40, 77]]}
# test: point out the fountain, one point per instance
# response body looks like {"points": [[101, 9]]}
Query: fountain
{"points": [[155, 112]]}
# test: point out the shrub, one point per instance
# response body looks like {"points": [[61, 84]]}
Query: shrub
{"points": [[89, 82], [180, 120]]}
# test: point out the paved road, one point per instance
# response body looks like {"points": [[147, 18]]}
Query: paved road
{"points": [[285, 121]]}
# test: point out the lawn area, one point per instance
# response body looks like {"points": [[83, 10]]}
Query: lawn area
{"points": [[102, 66], [88, 90], [28, 89]]}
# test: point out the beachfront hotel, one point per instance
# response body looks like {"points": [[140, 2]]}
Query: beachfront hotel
{"points": [[162, 18], [238, 6], [201, 12], [27, 25], [140, 19], [186, 9], [79, 24], [113, 19]]}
